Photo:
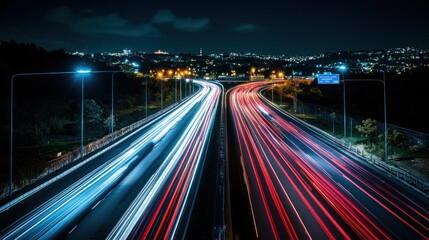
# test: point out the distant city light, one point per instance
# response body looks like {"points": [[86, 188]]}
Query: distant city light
{"points": [[161, 52], [342, 67]]}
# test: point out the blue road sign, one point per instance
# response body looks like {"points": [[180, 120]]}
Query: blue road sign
{"points": [[328, 79]]}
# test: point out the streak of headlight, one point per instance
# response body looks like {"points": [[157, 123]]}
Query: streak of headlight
{"points": [[151, 190]]}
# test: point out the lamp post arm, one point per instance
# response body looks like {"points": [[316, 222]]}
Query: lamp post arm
{"points": [[113, 97]]}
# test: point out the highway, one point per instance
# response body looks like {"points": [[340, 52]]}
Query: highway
{"points": [[144, 187], [302, 185]]}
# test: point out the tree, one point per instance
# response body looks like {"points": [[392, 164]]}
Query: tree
{"points": [[108, 122], [93, 111], [396, 141], [56, 124], [368, 129], [395, 138], [292, 88]]}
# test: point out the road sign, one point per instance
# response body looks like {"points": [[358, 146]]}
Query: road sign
{"points": [[328, 79]]}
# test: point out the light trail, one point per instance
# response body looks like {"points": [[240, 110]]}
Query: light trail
{"points": [[302, 186], [160, 208]]}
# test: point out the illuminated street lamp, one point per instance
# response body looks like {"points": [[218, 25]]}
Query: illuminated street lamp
{"points": [[281, 75], [342, 69], [145, 95], [82, 72], [383, 81], [253, 70], [170, 74], [181, 76], [160, 75]]}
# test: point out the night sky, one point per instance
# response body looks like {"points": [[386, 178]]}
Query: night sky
{"points": [[266, 27]]}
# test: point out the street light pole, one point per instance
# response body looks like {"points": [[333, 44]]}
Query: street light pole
{"points": [[146, 98], [343, 68], [272, 93], [81, 127], [175, 90], [295, 94], [160, 75], [113, 115], [344, 110], [385, 116], [281, 75], [180, 83], [11, 133]]}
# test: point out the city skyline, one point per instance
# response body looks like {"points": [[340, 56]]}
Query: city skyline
{"points": [[270, 28]]}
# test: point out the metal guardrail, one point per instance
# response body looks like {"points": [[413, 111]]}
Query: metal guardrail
{"points": [[400, 174], [99, 143]]}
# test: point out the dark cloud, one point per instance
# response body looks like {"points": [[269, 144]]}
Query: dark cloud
{"points": [[186, 24], [60, 15], [108, 24], [87, 11], [247, 27]]}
